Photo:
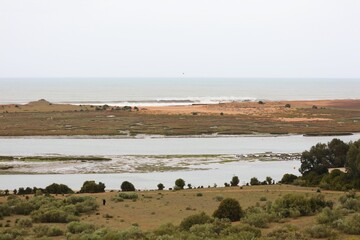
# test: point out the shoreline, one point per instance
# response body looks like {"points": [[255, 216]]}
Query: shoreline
{"points": [[145, 136]]}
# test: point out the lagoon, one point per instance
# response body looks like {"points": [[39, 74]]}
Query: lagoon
{"points": [[215, 173]]}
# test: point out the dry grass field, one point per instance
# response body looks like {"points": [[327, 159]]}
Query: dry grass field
{"points": [[155, 208]]}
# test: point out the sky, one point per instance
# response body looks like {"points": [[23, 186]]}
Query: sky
{"points": [[180, 38]]}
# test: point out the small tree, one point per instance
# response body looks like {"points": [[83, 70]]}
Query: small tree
{"points": [[235, 181], [269, 180], [288, 178], [229, 208], [254, 181], [160, 186], [127, 187], [287, 105], [180, 183], [58, 189], [92, 187]]}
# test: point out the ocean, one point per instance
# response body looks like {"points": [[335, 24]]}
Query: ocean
{"points": [[172, 91]]}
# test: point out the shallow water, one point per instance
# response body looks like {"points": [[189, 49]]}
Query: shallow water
{"points": [[217, 173]]}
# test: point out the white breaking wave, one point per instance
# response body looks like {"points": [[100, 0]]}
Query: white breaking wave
{"points": [[166, 101]]}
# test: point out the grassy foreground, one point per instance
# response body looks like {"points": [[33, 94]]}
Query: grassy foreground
{"points": [[155, 208]]}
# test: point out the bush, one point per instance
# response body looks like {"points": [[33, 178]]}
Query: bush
{"points": [[80, 227], [235, 181], [229, 208], [58, 189], [263, 199], [43, 230], [25, 223], [13, 233], [127, 187], [128, 196], [192, 220], [54, 232], [50, 216], [166, 229], [350, 225], [92, 187], [328, 216], [254, 181], [160, 186], [293, 205], [287, 232], [288, 178], [241, 228], [180, 183], [257, 217], [350, 201], [320, 231]]}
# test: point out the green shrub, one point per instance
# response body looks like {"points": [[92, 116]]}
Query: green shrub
{"points": [[180, 183], [116, 198], [350, 225], [13, 233], [287, 232], [128, 196], [25, 223], [320, 231], [5, 210], [199, 194], [48, 231], [160, 186], [54, 232], [241, 228], [254, 181], [127, 187], [192, 220], [263, 199], [288, 178], [92, 187], [350, 201], [329, 217], [80, 227], [257, 217], [41, 230], [234, 181], [50, 216], [229, 208], [294, 205], [58, 189], [23, 208], [166, 229]]}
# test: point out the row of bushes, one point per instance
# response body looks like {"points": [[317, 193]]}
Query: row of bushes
{"points": [[88, 187]]}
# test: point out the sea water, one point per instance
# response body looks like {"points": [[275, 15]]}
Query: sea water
{"points": [[172, 91]]}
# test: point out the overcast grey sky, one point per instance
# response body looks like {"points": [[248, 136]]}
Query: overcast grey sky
{"points": [[166, 38]]}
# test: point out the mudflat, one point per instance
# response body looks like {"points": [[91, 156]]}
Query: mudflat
{"points": [[322, 117]]}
